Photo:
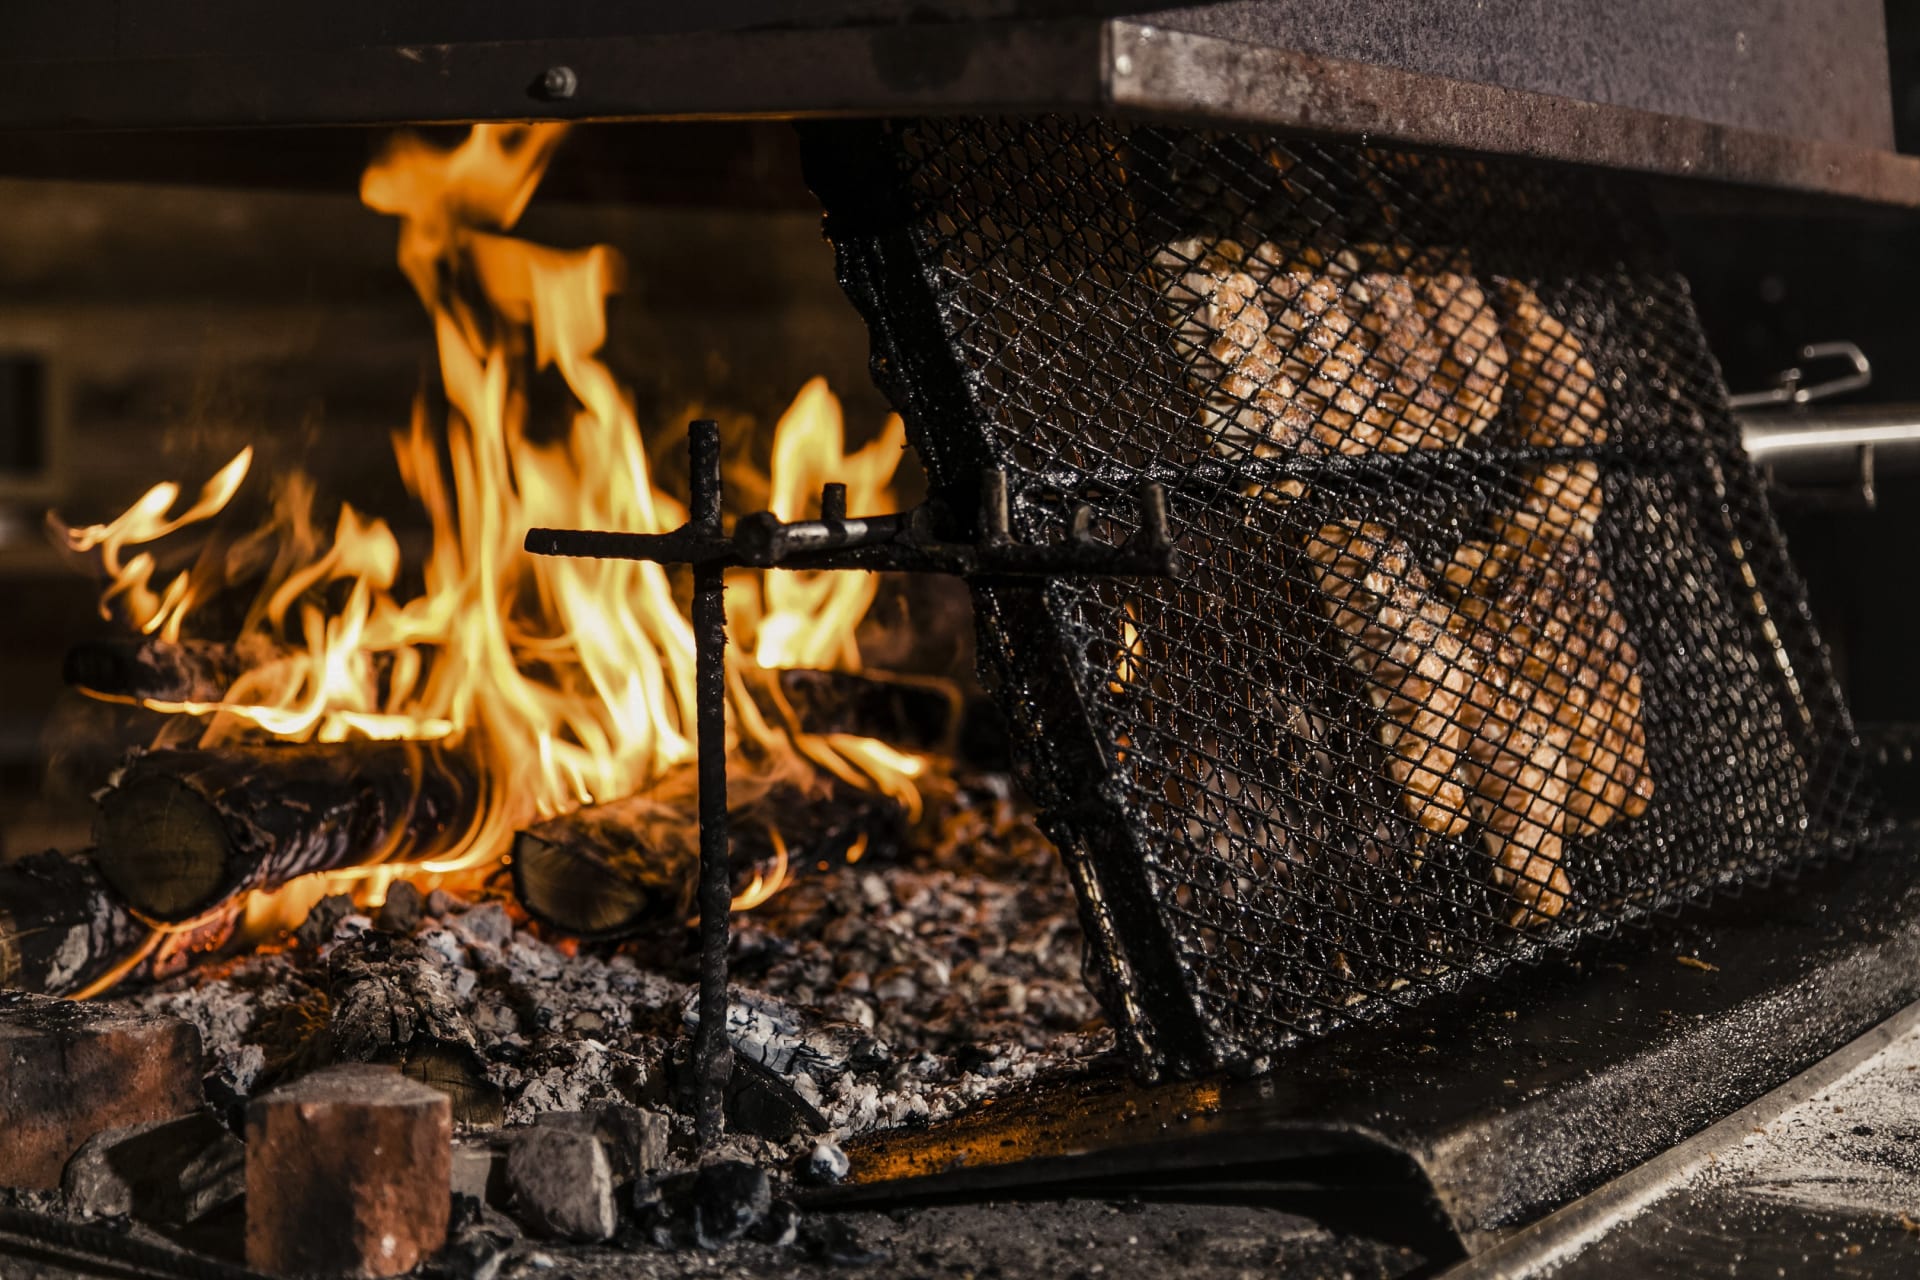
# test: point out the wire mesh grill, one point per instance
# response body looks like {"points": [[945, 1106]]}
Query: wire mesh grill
{"points": [[1488, 640]]}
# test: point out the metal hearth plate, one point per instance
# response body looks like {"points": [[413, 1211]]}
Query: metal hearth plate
{"points": [[1498, 1103]]}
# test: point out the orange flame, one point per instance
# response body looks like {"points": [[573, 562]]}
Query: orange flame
{"points": [[571, 680]]}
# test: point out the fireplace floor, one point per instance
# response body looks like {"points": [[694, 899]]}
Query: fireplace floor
{"points": [[1077, 1239], [914, 986]]}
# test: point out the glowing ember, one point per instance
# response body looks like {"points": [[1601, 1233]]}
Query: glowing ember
{"points": [[570, 681]]}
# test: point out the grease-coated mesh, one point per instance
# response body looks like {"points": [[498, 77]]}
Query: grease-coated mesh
{"points": [[1487, 638]]}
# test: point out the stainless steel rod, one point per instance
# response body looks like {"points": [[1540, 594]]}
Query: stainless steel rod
{"points": [[1785, 438]]}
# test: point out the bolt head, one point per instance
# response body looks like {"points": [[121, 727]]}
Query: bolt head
{"points": [[559, 83]]}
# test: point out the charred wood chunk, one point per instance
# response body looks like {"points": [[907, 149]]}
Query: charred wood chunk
{"points": [[68, 1071], [561, 1180], [391, 1004], [179, 832], [348, 1173], [61, 927], [619, 869], [913, 714]]}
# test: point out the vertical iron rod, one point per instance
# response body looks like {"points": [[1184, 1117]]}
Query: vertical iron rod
{"points": [[712, 1051]]}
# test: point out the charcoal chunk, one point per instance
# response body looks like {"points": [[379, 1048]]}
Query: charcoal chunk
{"points": [[826, 1164], [730, 1198], [403, 909], [318, 928]]}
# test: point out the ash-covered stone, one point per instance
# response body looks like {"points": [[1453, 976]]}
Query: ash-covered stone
{"points": [[169, 1173], [826, 1164], [561, 1183]]}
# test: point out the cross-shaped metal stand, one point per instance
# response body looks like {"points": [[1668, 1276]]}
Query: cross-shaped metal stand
{"points": [[909, 542]]}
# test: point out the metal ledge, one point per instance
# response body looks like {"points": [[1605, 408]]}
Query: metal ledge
{"points": [[954, 67], [1200, 78], [1502, 1102]]}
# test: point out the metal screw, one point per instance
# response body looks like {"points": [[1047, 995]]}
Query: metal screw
{"points": [[559, 83]]}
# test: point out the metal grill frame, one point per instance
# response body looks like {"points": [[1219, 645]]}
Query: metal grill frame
{"points": [[1034, 652]]}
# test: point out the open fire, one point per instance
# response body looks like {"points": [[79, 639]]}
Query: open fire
{"points": [[558, 683]]}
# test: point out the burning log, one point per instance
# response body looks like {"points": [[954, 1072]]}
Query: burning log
{"points": [[61, 927], [181, 831], [913, 714], [617, 869], [148, 669]]}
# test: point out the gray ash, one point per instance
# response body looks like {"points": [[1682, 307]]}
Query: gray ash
{"points": [[920, 986]]}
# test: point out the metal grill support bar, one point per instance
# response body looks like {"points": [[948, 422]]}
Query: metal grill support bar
{"points": [[712, 1051], [902, 543]]}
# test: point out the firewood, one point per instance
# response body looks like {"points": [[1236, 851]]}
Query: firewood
{"points": [[68, 1071], [348, 1173], [179, 832], [61, 927], [618, 869], [145, 667], [908, 712], [392, 1005]]}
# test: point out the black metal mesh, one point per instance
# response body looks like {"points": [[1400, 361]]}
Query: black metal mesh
{"points": [[1488, 638]]}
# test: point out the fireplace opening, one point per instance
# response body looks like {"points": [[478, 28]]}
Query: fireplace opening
{"points": [[396, 712]]}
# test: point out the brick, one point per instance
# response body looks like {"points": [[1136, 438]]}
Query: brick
{"points": [[348, 1173], [69, 1071]]}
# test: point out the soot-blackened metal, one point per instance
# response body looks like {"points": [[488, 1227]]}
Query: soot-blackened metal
{"points": [[1213, 757], [712, 1050], [909, 542]]}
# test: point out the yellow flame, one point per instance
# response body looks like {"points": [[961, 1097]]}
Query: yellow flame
{"points": [[765, 884], [129, 580], [571, 681]]}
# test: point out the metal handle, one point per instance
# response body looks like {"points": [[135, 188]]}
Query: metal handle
{"points": [[1790, 386]]}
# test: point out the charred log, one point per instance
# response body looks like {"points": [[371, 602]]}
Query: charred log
{"points": [[179, 832], [61, 927], [392, 1005], [618, 869]]}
